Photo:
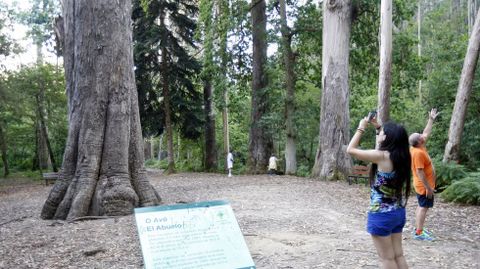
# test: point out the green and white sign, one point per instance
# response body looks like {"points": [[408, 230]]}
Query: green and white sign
{"points": [[192, 236]]}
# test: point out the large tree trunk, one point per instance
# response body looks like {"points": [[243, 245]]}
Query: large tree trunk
{"points": [[103, 171], [3, 150], [331, 160], [457, 122], [290, 79], [210, 140], [385, 79], [260, 142]]}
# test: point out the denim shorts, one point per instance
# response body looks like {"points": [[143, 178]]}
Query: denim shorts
{"points": [[386, 223], [423, 201]]}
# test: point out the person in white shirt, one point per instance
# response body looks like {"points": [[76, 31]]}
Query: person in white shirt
{"points": [[230, 163], [272, 165]]}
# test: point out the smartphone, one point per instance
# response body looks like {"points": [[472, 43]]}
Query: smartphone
{"points": [[373, 114]]}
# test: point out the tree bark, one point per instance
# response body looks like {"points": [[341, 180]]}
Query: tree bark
{"points": [[43, 128], [210, 139], [331, 160], [3, 150], [260, 142], [457, 122], [419, 46], [472, 7], [160, 143], [385, 79], [103, 172], [226, 131], [290, 80], [168, 120]]}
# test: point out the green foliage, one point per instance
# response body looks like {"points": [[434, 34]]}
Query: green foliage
{"points": [[464, 191], [154, 163], [304, 171], [18, 112], [448, 173], [152, 34]]}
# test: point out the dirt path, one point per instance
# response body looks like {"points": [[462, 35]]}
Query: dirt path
{"points": [[288, 222]]}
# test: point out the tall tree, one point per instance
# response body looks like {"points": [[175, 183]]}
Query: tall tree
{"points": [[457, 122], [165, 68], [385, 79], [331, 160], [103, 171], [290, 79], [260, 141], [207, 31]]}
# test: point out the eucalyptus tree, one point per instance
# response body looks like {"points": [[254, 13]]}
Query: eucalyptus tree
{"points": [[290, 80], [457, 121], [103, 171], [385, 78], [165, 68], [331, 160], [260, 141]]}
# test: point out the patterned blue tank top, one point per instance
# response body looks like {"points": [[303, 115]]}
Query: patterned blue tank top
{"points": [[382, 194]]}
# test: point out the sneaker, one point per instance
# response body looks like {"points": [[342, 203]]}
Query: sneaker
{"points": [[414, 232], [423, 236]]}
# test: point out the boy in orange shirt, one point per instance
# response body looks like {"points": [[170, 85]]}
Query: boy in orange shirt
{"points": [[423, 176]]}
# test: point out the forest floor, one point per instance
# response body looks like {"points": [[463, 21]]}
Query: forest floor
{"points": [[287, 222]]}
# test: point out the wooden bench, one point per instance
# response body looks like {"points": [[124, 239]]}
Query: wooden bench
{"points": [[359, 171], [49, 176]]}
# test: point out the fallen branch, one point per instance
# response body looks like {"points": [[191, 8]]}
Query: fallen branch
{"points": [[14, 220]]}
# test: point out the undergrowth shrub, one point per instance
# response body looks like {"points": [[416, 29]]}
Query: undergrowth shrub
{"points": [[464, 191], [447, 173]]}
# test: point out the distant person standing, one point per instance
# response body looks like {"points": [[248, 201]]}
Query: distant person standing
{"points": [[230, 163], [272, 165], [423, 177]]}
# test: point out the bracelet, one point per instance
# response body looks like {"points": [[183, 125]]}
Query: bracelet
{"points": [[361, 130]]}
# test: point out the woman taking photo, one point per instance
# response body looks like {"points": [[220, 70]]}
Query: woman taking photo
{"points": [[390, 186]]}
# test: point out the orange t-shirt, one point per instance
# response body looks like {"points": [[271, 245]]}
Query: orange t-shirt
{"points": [[421, 160]]}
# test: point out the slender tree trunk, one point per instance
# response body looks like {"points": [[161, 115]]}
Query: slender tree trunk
{"points": [[226, 132], [152, 147], [224, 25], [179, 139], [472, 7], [103, 171], [210, 139], [419, 39], [331, 160], [457, 122], [290, 80], [147, 150], [43, 129], [41, 149], [160, 143], [260, 141], [3, 150], [385, 79], [168, 121]]}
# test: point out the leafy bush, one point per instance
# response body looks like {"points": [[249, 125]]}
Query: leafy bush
{"points": [[303, 171], [465, 191], [447, 173], [154, 163]]}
